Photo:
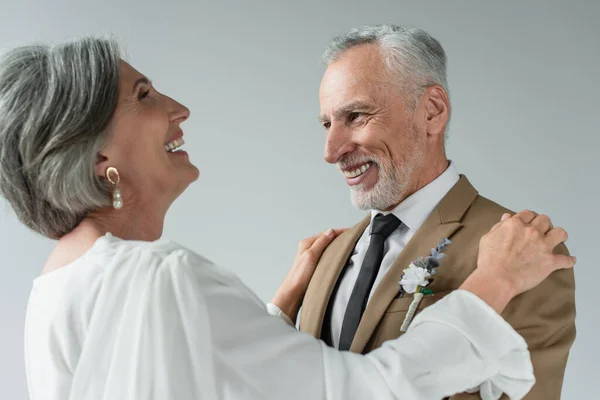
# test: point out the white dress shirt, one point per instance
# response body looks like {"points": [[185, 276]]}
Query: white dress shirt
{"points": [[153, 320], [413, 212]]}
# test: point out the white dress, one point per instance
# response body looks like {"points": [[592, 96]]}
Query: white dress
{"points": [[153, 320]]}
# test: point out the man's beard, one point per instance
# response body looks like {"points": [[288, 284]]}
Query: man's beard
{"points": [[392, 181]]}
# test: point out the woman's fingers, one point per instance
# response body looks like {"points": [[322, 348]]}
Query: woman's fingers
{"points": [[320, 244], [526, 216], [556, 236], [542, 223], [505, 217], [339, 231], [562, 261], [305, 244]]}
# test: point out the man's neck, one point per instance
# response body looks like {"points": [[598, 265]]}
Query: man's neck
{"points": [[428, 174]]}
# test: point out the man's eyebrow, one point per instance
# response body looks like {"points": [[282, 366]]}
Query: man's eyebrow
{"points": [[355, 105]]}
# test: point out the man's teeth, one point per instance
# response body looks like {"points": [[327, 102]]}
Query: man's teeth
{"points": [[174, 145], [359, 171]]}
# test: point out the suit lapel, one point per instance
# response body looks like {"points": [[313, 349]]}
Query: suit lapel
{"points": [[443, 222], [326, 275]]}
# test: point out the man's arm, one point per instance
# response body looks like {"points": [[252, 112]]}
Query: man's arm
{"points": [[545, 317]]}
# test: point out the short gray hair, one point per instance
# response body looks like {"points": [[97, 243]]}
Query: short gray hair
{"points": [[411, 54], [56, 105]]}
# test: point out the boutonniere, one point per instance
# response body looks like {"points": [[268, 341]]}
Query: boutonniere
{"points": [[416, 278]]}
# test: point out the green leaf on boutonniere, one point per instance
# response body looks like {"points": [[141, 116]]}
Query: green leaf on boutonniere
{"points": [[427, 292]]}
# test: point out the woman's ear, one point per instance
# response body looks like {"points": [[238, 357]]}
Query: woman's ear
{"points": [[101, 165]]}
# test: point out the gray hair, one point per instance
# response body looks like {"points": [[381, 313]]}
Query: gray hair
{"points": [[56, 105], [415, 58]]}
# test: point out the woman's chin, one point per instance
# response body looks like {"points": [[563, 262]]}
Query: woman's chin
{"points": [[196, 173], [192, 174], [188, 171]]}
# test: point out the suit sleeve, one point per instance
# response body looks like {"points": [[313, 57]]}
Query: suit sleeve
{"points": [[545, 317]]}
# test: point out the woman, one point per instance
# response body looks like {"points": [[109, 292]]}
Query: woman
{"points": [[89, 155]]}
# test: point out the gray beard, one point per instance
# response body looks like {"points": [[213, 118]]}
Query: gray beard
{"points": [[392, 184]]}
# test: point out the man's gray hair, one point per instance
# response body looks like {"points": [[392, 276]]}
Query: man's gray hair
{"points": [[414, 58], [56, 105]]}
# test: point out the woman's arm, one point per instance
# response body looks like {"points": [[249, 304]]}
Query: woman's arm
{"points": [[288, 299], [189, 330], [455, 345], [458, 344], [508, 257]]}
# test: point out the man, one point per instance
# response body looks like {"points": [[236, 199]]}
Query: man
{"points": [[384, 104]]}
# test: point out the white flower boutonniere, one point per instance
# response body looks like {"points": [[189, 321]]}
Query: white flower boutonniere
{"points": [[416, 278]]}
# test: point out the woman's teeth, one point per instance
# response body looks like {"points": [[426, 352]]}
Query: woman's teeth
{"points": [[359, 171], [174, 145]]}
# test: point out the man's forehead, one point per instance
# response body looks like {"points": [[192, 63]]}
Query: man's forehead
{"points": [[338, 79], [339, 87], [356, 94], [365, 60]]}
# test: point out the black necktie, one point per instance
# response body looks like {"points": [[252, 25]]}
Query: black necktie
{"points": [[381, 228]]}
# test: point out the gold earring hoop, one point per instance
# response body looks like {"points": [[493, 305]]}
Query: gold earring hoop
{"points": [[112, 175]]}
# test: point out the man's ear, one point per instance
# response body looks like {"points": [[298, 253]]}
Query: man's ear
{"points": [[437, 110]]}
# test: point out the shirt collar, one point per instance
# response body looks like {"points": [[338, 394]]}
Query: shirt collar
{"points": [[415, 209]]}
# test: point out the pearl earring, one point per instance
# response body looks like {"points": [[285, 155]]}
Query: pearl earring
{"points": [[114, 178]]}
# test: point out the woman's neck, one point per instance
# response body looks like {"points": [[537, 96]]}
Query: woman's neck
{"points": [[140, 224], [134, 223]]}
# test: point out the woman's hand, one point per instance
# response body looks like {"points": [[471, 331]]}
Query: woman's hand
{"points": [[515, 256], [290, 294]]}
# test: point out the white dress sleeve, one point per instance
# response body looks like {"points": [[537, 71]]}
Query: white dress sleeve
{"points": [[180, 328], [515, 374], [274, 310]]}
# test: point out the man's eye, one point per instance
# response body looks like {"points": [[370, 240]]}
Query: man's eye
{"points": [[326, 125], [353, 116]]}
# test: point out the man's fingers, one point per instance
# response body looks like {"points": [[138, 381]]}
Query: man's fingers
{"points": [[556, 236], [526, 216]]}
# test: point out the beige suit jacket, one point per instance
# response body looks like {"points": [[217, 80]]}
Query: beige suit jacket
{"points": [[544, 316]]}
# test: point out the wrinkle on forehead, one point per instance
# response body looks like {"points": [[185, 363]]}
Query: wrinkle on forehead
{"points": [[361, 64], [359, 94], [359, 74]]}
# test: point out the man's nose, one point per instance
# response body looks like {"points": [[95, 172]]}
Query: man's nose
{"points": [[338, 143]]}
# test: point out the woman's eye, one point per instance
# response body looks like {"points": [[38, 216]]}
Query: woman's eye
{"points": [[143, 94]]}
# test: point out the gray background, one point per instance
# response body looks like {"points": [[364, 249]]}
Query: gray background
{"points": [[524, 90]]}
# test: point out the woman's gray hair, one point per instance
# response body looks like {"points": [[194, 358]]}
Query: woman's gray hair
{"points": [[415, 59], [56, 105]]}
